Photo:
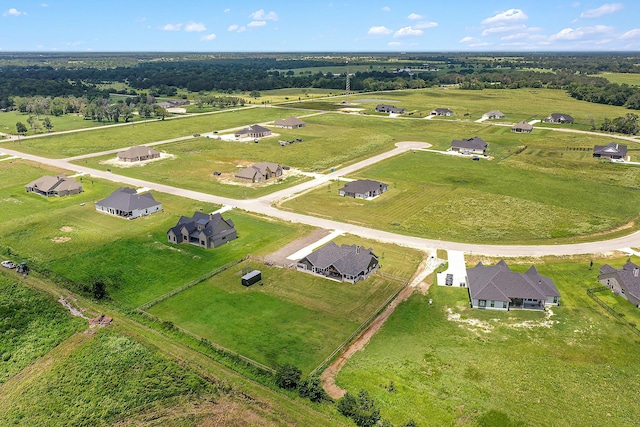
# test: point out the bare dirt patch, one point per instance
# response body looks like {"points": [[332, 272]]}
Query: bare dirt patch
{"points": [[61, 239], [66, 229]]}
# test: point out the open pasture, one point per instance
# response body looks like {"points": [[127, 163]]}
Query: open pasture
{"points": [[9, 119], [292, 317], [449, 364], [631, 79]]}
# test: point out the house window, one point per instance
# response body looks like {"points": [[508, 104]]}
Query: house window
{"points": [[202, 242], [493, 303], [504, 304], [555, 300], [482, 303]]}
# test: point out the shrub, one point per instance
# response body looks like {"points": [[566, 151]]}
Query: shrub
{"points": [[288, 377]]}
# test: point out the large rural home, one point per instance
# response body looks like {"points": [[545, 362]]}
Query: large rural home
{"points": [[497, 287], [128, 203], [559, 118], [172, 103], [522, 127], [138, 153], [289, 123], [442, 112], [363, 189], [58, 185], [612, 150], [346, 263], [493, 114], [473, 145], [204, 230], [385, 108], [260, 172], [623, 281], [253, 131]]}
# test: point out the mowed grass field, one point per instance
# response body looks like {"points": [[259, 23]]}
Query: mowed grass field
{"points": [[621, 78], [80, 244], [451, 365], [292, 317], [525, 195], [9, 119]]}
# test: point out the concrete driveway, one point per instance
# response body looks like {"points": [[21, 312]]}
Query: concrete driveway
{"points": [[456, 268]]}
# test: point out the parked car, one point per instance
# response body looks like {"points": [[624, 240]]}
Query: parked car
{"points": [[449, 280], [476, 158], [8, 264]]}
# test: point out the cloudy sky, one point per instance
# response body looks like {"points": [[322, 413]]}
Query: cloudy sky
{"points": [[319, 26]]}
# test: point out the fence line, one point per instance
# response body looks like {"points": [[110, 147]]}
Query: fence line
{"points": [[592, 293], [322, 366]]}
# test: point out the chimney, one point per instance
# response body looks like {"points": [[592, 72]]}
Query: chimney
{"points": [[636, 271], [358, 250]]}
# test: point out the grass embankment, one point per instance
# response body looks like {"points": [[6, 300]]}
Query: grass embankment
{"points": [[576, 366]]}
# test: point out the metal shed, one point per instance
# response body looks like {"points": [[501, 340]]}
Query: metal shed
{"points": [[250, 278]]}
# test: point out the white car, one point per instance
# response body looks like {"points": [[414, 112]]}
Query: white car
{"points": [[8, 264]]}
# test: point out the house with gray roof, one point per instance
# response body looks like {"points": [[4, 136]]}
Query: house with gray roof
{"points": [[473, 145], [138, 153], [58, 186], [363, 189], [442, 112], [623, 281], [497, 287], [253, 131], [260, 172], [559, 118], [392, 109], [289, 123], [128, 203], [493, 114], [612, 150], [346, 263], [204, 230], [522, 127]]}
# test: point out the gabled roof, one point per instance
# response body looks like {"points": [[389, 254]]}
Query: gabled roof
{"points": [[138, 151], [289, 121], [348, 260], [58, 183], [560, 117], [522, 125], [493, 113], [443, 110], [254, 129], [362, 186], [259, 168], [214, 226], [629, 274], [474, 143], [128, 199], [612, 148]]}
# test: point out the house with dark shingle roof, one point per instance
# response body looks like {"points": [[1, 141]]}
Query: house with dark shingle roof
{"points": [[385, 108], [497, 287], [363, 189], [128, 203], [253, 131], [559, 118], [442, 112], [522, 127], [346, 263], [58, 186], [289, 123], [204, 230], [138, 153], [623, 281], [260, 172], [613, 150], [473, 145]]}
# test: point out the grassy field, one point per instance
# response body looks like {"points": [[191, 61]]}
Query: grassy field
{"points": [[576, 366], [446, 197], [293, 317], [31, 324], [9, 119], [621, 78]]}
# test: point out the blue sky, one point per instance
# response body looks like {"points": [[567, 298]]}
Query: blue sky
{"points": [[319, 26]]}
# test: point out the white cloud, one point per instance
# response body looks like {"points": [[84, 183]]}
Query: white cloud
{"points": [[576, 4], [526, 35], [195, 27], [227, 10], [379, 31], [408, 32], [236, 28], [257, 24], [605, 9], [466, 39], [578, 33], [172, 27], [631, 34], [386, 9], [507, 15], [503, 29], [425, 25], [77, 43], [13, 12], [44, 5], [394, 44], [260, 15], [208, 37], [414, 16], [480, 44]]}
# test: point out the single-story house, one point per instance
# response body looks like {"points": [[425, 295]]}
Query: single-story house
{"points": [[204, 230], [493, 114], [612, 150], [442, 112], [138, 153], [385, 108], [253, 131], [346, 263], [473, 145], [260, 172], [58, 185], [363, 189], [128, 203], [170, 103], [623, 281], [522, 127], [497, 287], [289, 123], [559, 118]]}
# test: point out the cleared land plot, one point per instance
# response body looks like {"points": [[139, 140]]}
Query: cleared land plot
{"points": [[9, 119], [446, 197], [293, 317], [453, 365], [621, 78]]}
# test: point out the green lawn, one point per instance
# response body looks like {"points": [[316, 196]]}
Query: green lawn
{"points": [[580, 369], [9, 119], [293, 317], [631, 79]]}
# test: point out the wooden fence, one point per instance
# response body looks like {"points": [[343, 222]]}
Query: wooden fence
{"points": [[592, 293]]}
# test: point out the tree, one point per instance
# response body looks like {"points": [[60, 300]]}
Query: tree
{"points": [[21, 128], [288, 377], [255, 94], [99, 288], [311, 388], [47, 124], [361, 409]]}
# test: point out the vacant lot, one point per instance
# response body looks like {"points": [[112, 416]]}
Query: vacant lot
{"points": [[451, 365], [293, 317]]}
